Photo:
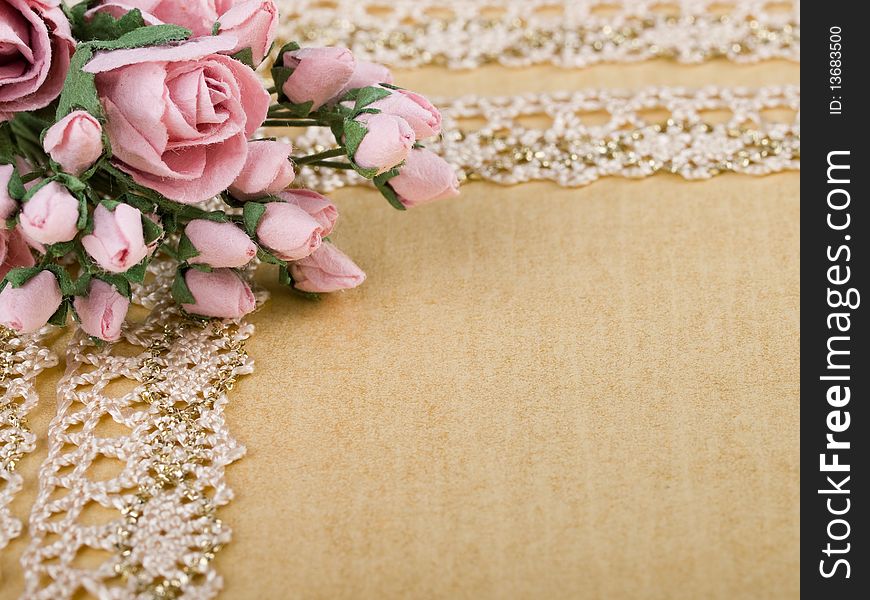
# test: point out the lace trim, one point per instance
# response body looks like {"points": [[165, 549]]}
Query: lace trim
{"points": [[22, 358], [638, 134], [463, 34], [137, 451]]}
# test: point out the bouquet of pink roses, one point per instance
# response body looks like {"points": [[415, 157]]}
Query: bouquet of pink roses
{"points": [[129, 130]]}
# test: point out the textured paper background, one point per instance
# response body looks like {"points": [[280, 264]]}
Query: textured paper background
{"points": [[539, 393]]}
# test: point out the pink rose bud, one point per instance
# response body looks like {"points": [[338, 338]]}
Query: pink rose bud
{"points": [[288, 231], [28, 308], [319, 207], [254, 24], [8, 205], [328, 269], [14, 251], [118, 241], [425, 177], [319, 75], [220, 293], [366, 74], [387, 143], [102, 312], [75, 142], [267, 170], [423, 118], [220, 244], [51, 214]]}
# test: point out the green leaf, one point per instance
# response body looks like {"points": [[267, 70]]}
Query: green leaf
{"points": [[180, 292], [151, 230], [103, 26], [252, 214], [368, 95], [354, 132], [7, 147], [186, 249], [381, 182], [79, 91], [245, 56]]}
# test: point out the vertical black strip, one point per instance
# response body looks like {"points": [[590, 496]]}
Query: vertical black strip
{"points": [[834, 369]]}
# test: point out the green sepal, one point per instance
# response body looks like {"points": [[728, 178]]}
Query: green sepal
{"points": [[284, 277], [369, 95], [82, 284], [136, 273], [186, 249], [216, 28], [267, 257], [119, 282], [60, 249], [18, 277], [110, 204], [16, 187], [201, 267], [354, 132], [59, 318], [84, 214], [252, 213], [180, 292], [151, 230], [63, 279], [381, 182]]}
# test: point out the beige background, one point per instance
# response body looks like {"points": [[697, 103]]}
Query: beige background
{"points": [[539, 393]]}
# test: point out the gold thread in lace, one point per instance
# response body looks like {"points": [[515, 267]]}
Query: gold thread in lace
{"points": [[469, 33]]}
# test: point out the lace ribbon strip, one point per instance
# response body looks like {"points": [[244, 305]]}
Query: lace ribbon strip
{"points": [[22, 358], [638, 134], [463, 34], [136, 459]]}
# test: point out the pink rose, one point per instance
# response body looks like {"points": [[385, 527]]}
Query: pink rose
{"points": [[28, 308], [219, 244], [102, 312], [366, 74], [267, 170], [220, 293], [14, 251], [319, 207], [36, 45], [75, 142], [51, 214], [425, 177], [118, 241], [328, 269], [178, 117], [288, 232], [319, 74], [387, 143], [8, 205], [254, 24], [419, 113]]}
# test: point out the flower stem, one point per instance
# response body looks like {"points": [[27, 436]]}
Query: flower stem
{"points": [[304, 160], [276, 122], [330, 164]]}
